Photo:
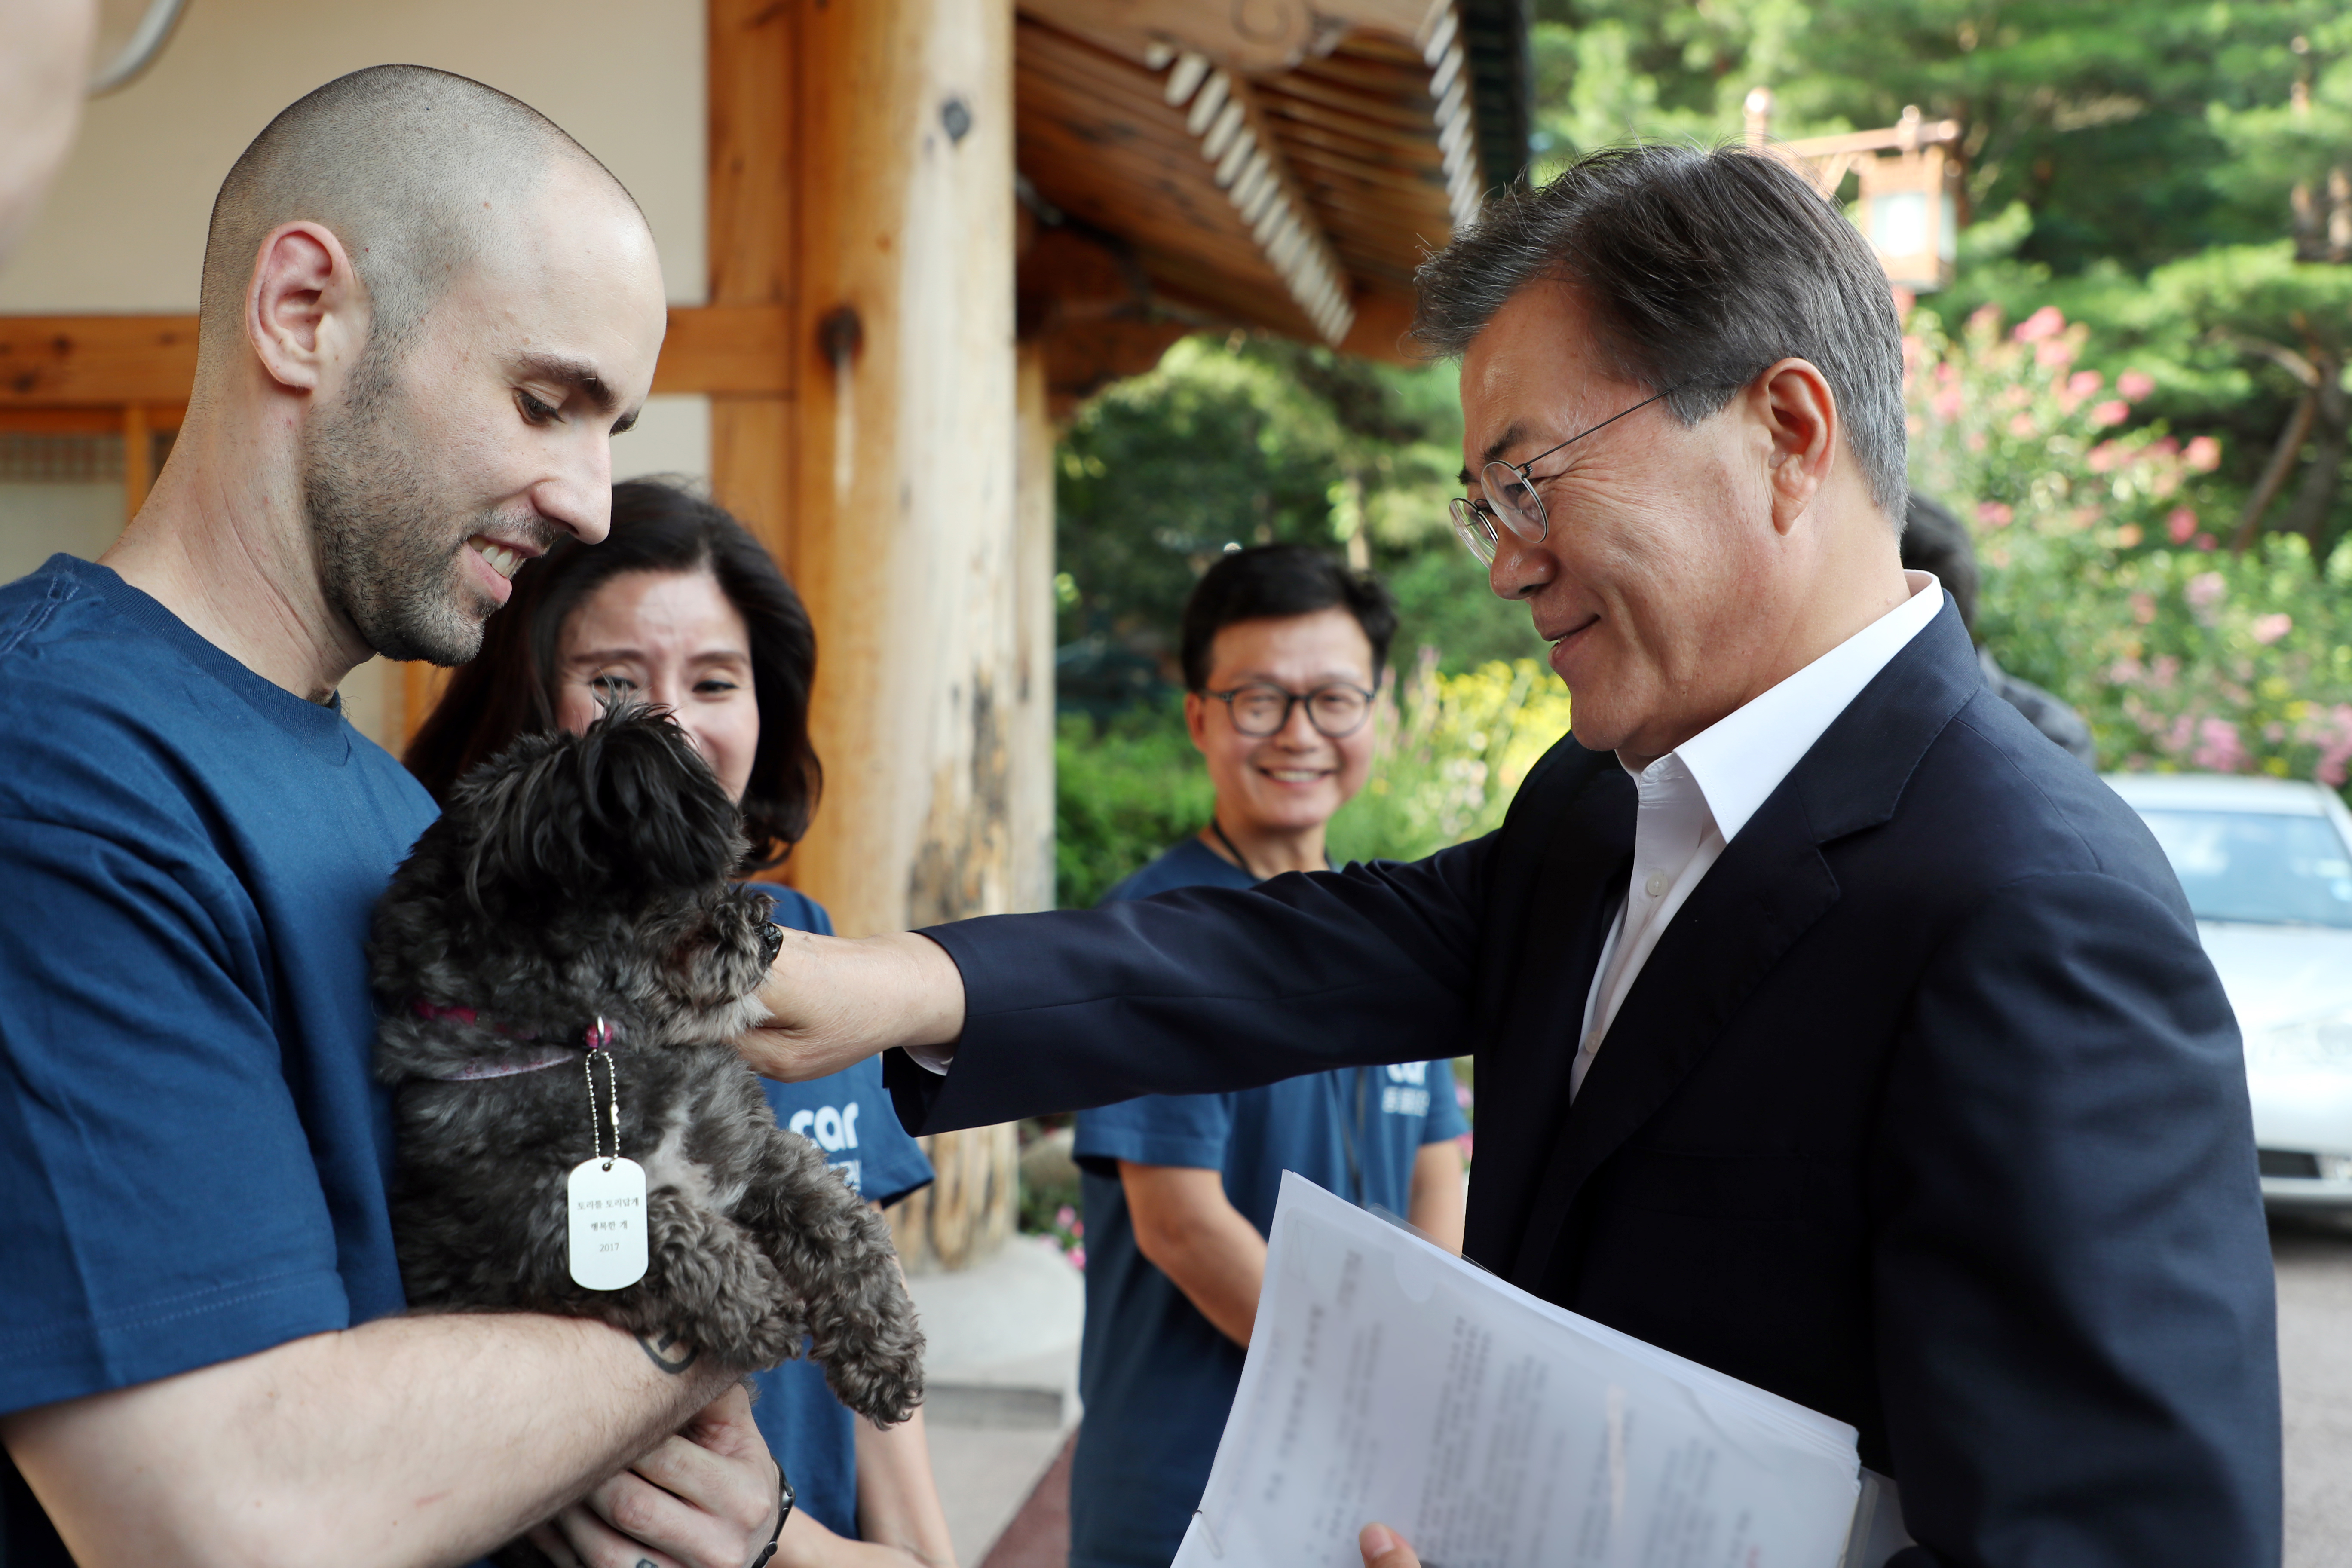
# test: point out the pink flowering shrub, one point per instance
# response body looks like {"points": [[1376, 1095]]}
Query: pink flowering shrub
{"points": [[2106, 578]]}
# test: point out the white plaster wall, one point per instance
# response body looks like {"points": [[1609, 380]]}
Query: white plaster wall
{"points": [[671, 439], [125, 227], [123, 230], [37, 520]]}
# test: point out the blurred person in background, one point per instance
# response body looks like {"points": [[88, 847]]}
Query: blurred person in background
{"points": [[680, 607], [1282, 649], [1936, 542]]}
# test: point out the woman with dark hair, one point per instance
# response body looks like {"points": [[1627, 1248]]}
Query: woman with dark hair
{"points": [[682, 608], [667, 542]]}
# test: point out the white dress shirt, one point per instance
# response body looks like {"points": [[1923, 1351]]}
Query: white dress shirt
{"points": [[1695, 800]]}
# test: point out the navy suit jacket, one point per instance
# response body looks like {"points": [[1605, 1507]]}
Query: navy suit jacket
{"points": [[1926, 1111]]}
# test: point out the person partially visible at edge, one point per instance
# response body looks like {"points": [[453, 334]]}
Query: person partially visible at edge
{"points": [[424, 314], [682, 608], [1282, 649], [1936, 542], [1833, 1029]]}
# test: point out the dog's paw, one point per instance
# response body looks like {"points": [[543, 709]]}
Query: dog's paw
{"points": [[881, 1378], [871, 1345]]}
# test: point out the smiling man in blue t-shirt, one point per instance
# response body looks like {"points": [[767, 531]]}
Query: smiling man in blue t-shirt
{"points": [[1283, 649], [424, 313]]}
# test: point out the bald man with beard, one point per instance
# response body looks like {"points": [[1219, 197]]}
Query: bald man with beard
{"points": [[425, 313]]}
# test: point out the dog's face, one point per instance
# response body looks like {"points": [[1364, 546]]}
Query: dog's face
{"points": [[578, 876]]}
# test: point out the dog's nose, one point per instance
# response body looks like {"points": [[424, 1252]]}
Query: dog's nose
{"points": [[774, 935]]}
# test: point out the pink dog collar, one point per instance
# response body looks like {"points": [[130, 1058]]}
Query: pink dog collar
{"points": [[597, 1036]]}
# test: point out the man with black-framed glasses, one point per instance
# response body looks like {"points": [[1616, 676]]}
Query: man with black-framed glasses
{"points": [[1283, 649]]}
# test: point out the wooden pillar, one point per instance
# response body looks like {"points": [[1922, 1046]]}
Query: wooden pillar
{"points": [[905, 537], [755, 65], [1031, 805], [861, 179], [968, 1209]]}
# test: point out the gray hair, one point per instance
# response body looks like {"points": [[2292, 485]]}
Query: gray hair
{"points": [[418, 172], [1700, 268]]}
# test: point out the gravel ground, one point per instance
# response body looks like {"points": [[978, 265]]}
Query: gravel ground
{"points": [[2314, 1286]]}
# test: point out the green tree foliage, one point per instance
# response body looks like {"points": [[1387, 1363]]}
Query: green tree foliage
{"points": [[2105, 578], [2099, 115], [1247, 440], [2132, 163], [1123, 793], [2161, 199]]}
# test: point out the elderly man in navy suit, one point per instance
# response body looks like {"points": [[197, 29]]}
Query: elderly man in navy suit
{"points": [[1833, 1028]]}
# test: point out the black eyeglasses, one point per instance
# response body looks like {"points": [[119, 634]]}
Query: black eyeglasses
{"points": [[1258, 709], [1511, 495]]}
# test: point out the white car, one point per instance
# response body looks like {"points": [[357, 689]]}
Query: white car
{"points": [[2267, 866]]}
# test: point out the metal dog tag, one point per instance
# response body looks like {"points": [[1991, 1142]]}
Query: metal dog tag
{"points": [[607, 1199]]}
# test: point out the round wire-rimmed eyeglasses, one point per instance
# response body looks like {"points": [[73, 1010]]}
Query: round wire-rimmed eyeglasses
{"points": [[1511, 495], [1259, 709]]}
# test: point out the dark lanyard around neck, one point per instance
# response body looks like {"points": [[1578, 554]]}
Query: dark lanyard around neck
{"points": [[1349, 1134], [1242, 860], [1239, 859]]}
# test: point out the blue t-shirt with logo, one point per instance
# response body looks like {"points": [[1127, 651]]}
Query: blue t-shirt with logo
{"points": [[812, 1434], [1156, 1377], [193, 1153]]}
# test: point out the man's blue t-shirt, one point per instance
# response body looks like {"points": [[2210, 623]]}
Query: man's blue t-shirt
{"points": [[812, 1434], [1156, 1377], [193, 1153]]}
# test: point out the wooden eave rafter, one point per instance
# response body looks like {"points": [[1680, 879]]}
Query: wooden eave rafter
{"points": [[1295, 192]]}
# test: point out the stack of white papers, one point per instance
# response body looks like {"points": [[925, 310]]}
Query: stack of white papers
{"points": [[1389, 1380]]}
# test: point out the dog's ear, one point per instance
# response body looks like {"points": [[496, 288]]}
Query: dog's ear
{"points": [[627, 806]]}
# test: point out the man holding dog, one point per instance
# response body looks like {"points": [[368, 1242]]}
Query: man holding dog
{"points": [[425, 313], [1838, 1031]]}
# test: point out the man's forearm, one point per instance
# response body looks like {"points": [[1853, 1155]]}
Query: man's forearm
{"points": [[898, 1500], [835, 1001], [1439, 1202], [1187, 1229], [406, 1441]]}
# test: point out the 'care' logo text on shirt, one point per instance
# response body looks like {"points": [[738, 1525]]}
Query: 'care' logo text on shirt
{"points": [[834, 1127], [1403, 1094]]}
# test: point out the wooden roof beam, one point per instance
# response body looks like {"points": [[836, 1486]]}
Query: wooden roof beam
{"points": [[1265, 36], [1458, 132], [1246, 161]]}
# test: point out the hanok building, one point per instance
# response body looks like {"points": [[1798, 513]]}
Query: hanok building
{"points": [[902, 237]]}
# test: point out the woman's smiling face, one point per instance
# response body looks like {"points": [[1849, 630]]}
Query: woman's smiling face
{"points": [[674, 640], [1296, 777]]}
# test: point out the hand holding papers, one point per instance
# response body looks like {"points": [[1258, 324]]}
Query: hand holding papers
{"points": [[1389, 1380]]}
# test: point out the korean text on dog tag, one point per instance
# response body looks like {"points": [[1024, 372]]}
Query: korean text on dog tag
{"points": [[607, 1199]]}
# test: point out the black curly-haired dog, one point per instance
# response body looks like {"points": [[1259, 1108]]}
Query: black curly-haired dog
{"points": [[580, 878]]}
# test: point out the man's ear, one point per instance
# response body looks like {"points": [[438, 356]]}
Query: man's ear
{"points": [[1800, 416], [1196, 718], [306, 311]]}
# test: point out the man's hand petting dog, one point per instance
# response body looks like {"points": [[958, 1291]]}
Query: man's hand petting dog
{"points": [[831, 1002], [704, 1498]]}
